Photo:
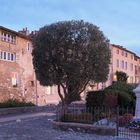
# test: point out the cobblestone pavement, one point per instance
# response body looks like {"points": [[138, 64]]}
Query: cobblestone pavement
{"points": [[40, 128]]}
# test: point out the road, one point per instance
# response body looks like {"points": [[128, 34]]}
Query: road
{"points": [[38, 126]]}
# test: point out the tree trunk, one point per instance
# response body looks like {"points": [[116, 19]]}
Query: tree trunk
{"points": [[97, 86], [60, 95], [73, 94]]}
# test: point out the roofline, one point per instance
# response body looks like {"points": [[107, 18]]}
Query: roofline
{"points": [[122, 48], [16, 33]]}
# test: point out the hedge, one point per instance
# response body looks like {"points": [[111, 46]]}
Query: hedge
{"points": [[14, 103]]}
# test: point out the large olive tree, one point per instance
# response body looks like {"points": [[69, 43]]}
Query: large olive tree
{"points": [[69, 54]]}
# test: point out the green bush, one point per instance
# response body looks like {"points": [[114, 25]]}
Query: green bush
{"points": [[95, 99], [14, 103], [121, 76], [126, 97], [78, 118], [101, 99], [119, 93]]}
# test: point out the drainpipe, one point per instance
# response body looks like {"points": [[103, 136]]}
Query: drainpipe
{"points": [[36, 95]]}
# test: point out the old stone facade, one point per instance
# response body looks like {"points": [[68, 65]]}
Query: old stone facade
{"points": [[121, 60], [126, 61], [16, 81], [17, 77]]}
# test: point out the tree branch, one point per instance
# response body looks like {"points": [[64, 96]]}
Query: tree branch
{"points": [[60, 95], [64, 89], [84, 87]]}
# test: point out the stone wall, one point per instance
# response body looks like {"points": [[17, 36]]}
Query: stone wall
{"points": [[19, 110], [85, 128]]}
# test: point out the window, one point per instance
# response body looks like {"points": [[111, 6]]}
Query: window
{"points": [[48, 90], [131, 56], [136, 70], [117, 51], [135, 58], [131, 67], [1, 55], [29, 46], [8, 37], [14, 79], [125, 65], [12, 57], [122, 64], [117, 63], [125, 54], [7, 56], [4, 56], [122, 53]]}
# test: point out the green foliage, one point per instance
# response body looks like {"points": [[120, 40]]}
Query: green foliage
{"points": [[121, 76], [95, 99], [69, 54], [126, 97], [101, 99], [119, 93], [14, 103]]}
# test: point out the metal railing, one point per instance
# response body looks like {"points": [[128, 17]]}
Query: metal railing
{"points": [[120, 118]]}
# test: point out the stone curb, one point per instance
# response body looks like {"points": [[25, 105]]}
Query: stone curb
{"points": [[85, 128], [20, 110]]}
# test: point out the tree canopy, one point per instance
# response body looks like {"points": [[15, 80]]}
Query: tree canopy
{"points": [[69, 54]]}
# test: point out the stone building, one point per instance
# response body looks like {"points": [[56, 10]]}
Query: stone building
{"points": [[123, 60], [16, 81], [126, 61], [17, 77]]}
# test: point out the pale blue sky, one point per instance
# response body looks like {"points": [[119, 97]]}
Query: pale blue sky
{"points": [[118, 19]]}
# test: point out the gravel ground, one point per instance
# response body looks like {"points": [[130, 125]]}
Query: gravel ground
{"points": [[40, 129]]}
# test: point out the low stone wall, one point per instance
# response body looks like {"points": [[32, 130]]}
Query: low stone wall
{"points": [[85, 128], [19, 110]]}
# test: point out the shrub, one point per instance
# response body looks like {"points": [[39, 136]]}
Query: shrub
{"points": [[78, 118], [14, 103], [101, 104], [111, 100], [101, 99], [125, 119], [121, 76], [95, 99], [126, 97]]}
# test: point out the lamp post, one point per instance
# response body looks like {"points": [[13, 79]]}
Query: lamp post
{"points": [[137, 110]]}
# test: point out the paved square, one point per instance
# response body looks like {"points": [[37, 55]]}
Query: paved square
{"points": [[40, 128]]}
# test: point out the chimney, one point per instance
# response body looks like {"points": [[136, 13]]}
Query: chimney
{"points": [[24, 31]]}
